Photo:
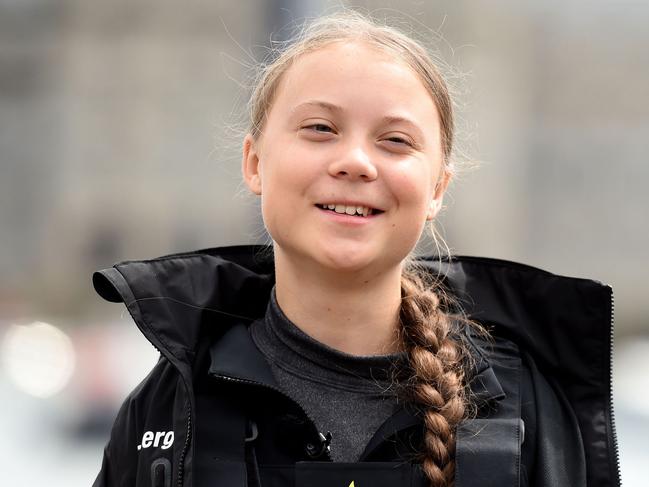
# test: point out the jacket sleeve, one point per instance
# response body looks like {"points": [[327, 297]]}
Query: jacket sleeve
{"points": [[119, 467]]}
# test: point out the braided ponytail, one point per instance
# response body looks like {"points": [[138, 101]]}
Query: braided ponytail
{"points": [[436, 383]]}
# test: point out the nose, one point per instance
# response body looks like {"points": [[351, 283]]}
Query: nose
{"points": [[353, 163]]}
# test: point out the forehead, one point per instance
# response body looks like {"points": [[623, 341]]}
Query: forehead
{"points": [[355, 75]]}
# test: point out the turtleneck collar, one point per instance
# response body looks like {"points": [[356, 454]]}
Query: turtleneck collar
{"points": [[286, 344]]}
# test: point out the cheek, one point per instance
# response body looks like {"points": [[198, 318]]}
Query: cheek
{"points": [[287, 176], [277, 214], [412, 186], [292, 170]]}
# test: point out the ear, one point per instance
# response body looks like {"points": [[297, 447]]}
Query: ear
{"points": [[250, 166], [438, 194]]}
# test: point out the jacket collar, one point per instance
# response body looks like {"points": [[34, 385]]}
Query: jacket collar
{"points": [[202, 290], [235, 356], [565, 323]]}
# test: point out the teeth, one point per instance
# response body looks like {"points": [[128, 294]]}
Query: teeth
{"points": [[349, 210]]}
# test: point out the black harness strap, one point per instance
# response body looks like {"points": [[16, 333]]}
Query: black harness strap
{"points": [[488, 450], [488, 453]]}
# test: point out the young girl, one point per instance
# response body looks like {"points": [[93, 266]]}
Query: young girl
{"points": [[334, 358]]}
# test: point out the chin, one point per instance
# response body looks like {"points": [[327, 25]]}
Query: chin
{"points": [[349, 260]]}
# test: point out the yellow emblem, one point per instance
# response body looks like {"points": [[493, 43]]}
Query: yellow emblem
{"points": [[352, 484]]}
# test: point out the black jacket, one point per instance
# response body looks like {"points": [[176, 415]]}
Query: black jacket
{"points": [[210, 413]]}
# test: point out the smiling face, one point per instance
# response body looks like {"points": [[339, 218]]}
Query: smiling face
{"points": [[350, 128]]}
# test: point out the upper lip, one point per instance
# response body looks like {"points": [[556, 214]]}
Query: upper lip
{"points": [[348, 203]]}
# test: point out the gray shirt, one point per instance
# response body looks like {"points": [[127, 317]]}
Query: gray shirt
{"points": [[347, 395]]}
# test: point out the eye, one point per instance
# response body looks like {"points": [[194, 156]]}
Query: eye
{"points": [[318, 132], [399, 140], [319, 127]]}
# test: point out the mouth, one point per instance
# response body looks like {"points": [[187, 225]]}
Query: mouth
{"points": [[351, 210]]}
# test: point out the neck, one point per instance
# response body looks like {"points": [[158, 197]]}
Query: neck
{"points": [[356, 313]]}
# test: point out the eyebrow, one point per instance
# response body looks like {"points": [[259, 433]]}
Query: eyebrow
{"points": [[319, 103]]}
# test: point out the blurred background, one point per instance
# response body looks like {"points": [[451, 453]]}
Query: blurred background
{"points": [[118, 140]]}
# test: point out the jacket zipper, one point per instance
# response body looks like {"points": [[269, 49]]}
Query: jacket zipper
{"points": [[183, 452], [613, 432], [226, 378]]}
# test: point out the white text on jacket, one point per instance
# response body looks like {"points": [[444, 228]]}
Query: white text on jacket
{"points": [[152, 438]]}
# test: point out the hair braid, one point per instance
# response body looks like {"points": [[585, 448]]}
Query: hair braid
{"points": [[436, 384]]}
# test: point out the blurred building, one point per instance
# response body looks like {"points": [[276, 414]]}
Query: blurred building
{"points": [[121, 126]]}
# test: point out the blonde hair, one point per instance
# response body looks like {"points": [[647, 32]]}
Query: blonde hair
{"points": [[436, 379]]}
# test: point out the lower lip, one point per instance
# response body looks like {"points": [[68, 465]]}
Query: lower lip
{"points": [[346, 219]]}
